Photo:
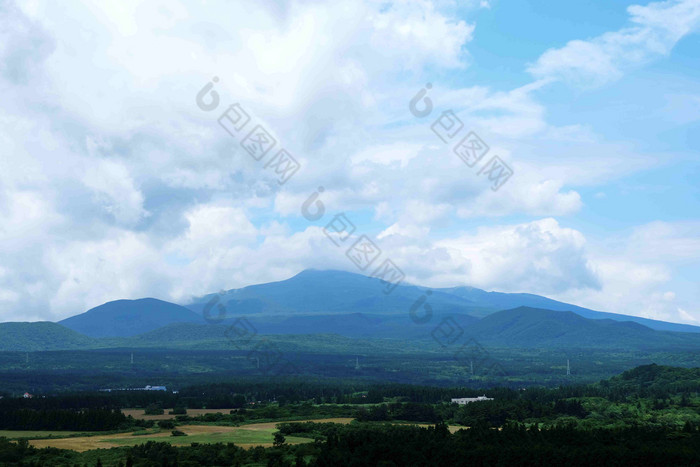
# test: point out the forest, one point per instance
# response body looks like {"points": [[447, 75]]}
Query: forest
{"points": [[649, 415]]}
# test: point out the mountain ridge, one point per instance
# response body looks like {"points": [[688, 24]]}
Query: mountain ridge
{"points": [[339, 302], [460, 300], [518, 328], [523, 326]]}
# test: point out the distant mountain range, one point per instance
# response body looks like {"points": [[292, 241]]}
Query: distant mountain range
{"points": [[349, 306], [332, 292]]}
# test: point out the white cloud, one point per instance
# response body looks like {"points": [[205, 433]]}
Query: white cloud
{"points": [[538, 257], [656, 29], [115, 189], [636, 271], [113, 184]]}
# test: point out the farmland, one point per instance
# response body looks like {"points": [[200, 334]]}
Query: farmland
{"points": [[256, 434]]}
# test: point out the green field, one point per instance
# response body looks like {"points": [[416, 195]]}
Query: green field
{"points": [[240, 437]]}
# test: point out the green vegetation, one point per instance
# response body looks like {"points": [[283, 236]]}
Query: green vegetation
{"points": [[649, 415], [153, 409], [28, 337], [388, 361]]}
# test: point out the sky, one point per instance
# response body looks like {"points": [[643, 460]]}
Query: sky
{"points": [[133, 158]]}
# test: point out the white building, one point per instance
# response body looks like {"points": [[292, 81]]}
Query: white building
{"points": [[466, 400]]}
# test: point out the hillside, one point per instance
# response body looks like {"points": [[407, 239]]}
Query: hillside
{"points": [[655, 380], [523, 327], [122, 318], [356, 326], [520, 328], [43, 335], [532, 327], [219, 337]]}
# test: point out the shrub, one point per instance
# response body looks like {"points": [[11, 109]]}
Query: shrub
{"points": [[153, 409]]}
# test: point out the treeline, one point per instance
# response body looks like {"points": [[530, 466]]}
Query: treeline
{"points": [[393, 445], [513, 445], [493, 413], [59, 419], [648, 381], [63, 401]]}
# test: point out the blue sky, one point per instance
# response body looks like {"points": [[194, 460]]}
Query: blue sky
{"points": [[115, 183]]}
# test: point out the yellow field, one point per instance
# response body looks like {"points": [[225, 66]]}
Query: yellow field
{"points": [[257, 434]]}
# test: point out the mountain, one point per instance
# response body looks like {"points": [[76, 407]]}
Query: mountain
{"points": [[350, 305], [329, 292], [531, 327], [339, 292], [122, 318], [42, 335]]}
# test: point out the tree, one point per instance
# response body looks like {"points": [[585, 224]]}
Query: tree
{"points": [[153, 409], [279, 439]]}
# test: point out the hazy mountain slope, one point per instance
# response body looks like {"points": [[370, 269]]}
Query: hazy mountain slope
{"points": [[355, 325], [531, 327], [129, 317], [220, 337], [313, 291], [41, 335]]}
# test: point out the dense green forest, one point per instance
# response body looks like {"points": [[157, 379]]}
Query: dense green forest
{"points": [[61, 371], [395, 445], [649, 415]]}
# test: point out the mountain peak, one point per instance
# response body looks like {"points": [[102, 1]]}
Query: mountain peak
{"points": [[129, 317]]}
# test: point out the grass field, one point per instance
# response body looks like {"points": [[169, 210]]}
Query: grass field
{"points": [[257, 434]]}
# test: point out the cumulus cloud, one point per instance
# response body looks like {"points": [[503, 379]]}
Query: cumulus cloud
{"points": [[636, 271], [114, 184], [539, 256]]}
